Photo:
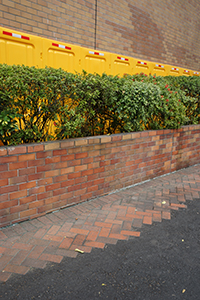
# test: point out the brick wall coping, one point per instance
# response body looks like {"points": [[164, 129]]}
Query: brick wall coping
{"points": [[85, 141]]}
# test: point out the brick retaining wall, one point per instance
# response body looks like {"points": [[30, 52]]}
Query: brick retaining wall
{"points": [[39, 178]]}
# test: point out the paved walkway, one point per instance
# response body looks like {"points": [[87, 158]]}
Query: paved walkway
{"points": [[96, 223]]}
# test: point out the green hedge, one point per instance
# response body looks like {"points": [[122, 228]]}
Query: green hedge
{"points": [[79, 105]]}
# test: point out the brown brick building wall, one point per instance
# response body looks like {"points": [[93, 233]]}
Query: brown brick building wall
{"points": [[165, 31]]}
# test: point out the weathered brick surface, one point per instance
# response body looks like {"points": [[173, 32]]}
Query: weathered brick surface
{"points": [[161, 31], [66, 176]]}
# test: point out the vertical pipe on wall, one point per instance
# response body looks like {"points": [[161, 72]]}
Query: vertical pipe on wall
{"points": [[95, 28]]}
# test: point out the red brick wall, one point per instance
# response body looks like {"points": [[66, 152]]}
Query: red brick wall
{"points": [[161, 31], [39, 178]]}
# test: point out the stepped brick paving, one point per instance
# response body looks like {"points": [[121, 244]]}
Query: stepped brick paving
{"points": [[105, 220]]}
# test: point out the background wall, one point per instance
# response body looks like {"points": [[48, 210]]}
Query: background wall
{"points": [[165, 31]]}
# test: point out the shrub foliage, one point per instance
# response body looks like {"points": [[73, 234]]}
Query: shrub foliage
{"points": [[48, 104]]}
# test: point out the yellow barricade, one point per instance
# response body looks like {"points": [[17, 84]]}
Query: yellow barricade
{"points": [[94, 61], [141, 67], [186, 72], [61, 55], [29, 50], [174, 71], [195, 73], [158, 69], [121, 65], [19, 49]]}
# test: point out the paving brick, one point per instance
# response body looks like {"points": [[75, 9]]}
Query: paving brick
{"points": [[45, 220], [9, 232], [2, 250], [51, 257], [90, 227], [40, 233], [3, 236], [147, 220], [157, 217], [134, 216], [66, 243], [131, 233], [79, 231], [36, 223], [28, 226], [166, 215], [95, 244], [107, 240], [16, 269], [86, 249], [68, 253], [39, 242], [66, 226], [127, 225], [178, 205], [113, 221], [101, 224], [9, 242], [142, 213], [131, 210], [31, 262], [92, 236], [22, 246], [25, 237], [116, 228], [53, 238], [121, 213], [19, 229], [79, 239], [55, 219], [4, 276], [19, 257], [36, 252], [130, 219], [11, 251], [66, 234], [104, 232], [4, 260], [118, 236]]}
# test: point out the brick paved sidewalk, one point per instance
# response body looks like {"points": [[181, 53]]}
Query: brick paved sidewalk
{"points": [[104, 220]]}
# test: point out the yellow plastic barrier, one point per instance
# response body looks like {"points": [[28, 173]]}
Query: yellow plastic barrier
{"points": [[61, 55], [186, 72], [159, 69], [142, 67], [195, 73], [93, 61], [21, 48], [174, 71], [121, 65], [17, 48]]}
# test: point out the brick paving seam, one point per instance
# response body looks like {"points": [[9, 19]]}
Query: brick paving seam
{"points": [[93, 224]]}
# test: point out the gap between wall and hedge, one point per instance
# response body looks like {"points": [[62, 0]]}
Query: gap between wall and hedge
{"points": [[36, 179]]}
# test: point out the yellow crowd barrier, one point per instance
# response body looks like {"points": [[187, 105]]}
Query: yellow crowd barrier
{"points": [[94, 61], [141, 66], [159, 69], [61, 55], [120, 65], [21, 48], [174, 71]]}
